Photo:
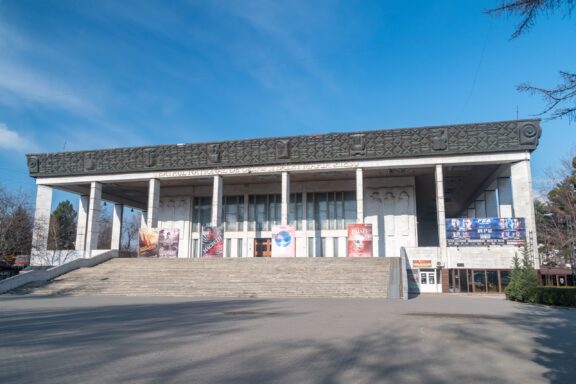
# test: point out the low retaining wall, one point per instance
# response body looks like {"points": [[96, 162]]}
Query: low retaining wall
{"points": [[51, 273]]}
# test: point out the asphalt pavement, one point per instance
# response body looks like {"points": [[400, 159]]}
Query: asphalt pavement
{"points": [[428, 339]]}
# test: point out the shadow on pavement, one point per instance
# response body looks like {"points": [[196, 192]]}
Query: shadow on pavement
{"points": [[267, 341]]}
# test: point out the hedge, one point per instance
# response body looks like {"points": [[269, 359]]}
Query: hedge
{"points": [[556, 296]]}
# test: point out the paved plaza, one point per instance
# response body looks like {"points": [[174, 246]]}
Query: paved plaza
{"points": [[428, 339]]}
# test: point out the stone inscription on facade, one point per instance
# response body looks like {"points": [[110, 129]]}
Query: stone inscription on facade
{"points": [[255, 170], [504, 136]]}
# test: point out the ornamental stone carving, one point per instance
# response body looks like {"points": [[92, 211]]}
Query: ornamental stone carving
{"points": [[505, 136], [90, 161], [528, 134], [33, 164], [440, 140], [213, 153], [149, 157], [357, 145], [282, 149]]}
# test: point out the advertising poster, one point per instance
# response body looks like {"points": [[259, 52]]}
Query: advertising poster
{"points": [[359, 240], [475, 231], [168, 240], [147, 242], [212, 241], [283, 241]]}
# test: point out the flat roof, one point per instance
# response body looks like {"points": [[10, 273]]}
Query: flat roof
{"points": [[476, 138]]}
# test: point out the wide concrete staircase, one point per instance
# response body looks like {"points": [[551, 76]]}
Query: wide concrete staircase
{"points": [[248, 277]]}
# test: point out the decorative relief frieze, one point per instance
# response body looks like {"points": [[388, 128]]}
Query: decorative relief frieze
{"points": [[505, 136]]}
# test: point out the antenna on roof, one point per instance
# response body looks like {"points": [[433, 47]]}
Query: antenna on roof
{"points": [[517, 109], [64, 146]]}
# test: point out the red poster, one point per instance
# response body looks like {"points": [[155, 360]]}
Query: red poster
{"points": [[212, 242], [359, 240]]}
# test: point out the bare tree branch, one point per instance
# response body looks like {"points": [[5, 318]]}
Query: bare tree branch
{"points": [[561, 100], [529, 10]]}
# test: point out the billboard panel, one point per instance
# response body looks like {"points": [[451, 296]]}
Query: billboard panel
{"points": [[148, 242], [158, 242], [359, 240], [476, 231], [212, 241], [168, 241], [283, 241]]}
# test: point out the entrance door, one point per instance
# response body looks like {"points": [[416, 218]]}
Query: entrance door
{"points": [[262, 247], [428, 281]]}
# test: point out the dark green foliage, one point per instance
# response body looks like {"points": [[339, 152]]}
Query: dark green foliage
{"points": [[557, 296], [63, 226], [16, 224], [523, 281]]}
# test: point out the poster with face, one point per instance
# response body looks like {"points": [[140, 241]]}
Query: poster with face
{"points": [[212, 241], [359, 240], [482, 231], [148, 242], [283, 241], [168, 240]]}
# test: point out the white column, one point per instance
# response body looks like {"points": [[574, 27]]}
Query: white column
{"points": [[523, 201], [82, 222], [93, 218], [441, 213], [505, 197], [491, 202], [245, 227], [217, 201], [359, 196], [153, 203], [117, 226], [41, 227], [285, 198], [144, 219]]}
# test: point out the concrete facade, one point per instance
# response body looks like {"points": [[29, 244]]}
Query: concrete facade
{"points": [[406, 200]]}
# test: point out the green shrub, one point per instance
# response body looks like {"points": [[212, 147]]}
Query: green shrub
{"points": [[557, 296]]}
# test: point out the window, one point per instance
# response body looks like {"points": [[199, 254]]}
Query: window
{"points": [[330, 210], [233, 211], [311, 252], [240, 246], [202, 212], [295, 210], [264, 211]]}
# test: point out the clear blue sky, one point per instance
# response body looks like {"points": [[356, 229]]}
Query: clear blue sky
{"points": [[91, 74]]}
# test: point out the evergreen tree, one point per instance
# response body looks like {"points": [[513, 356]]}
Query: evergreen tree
{"points": [[63, 226], [523, 280]]}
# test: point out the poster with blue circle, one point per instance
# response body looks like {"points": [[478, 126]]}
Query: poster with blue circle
{"points": [[283, 241]]}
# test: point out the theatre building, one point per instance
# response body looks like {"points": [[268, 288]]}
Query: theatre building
{"points": [[454, 201]]}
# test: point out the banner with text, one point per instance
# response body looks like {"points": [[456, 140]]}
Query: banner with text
{"points": [[359, 240], [479, 231], [283, 241], [212, 241]]}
